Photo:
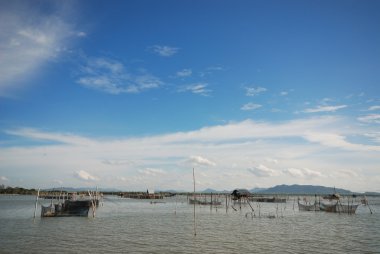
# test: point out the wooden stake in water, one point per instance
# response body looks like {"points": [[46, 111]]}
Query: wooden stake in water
{"points": [[226, 204], [35, 206], [92, 203], [195, 225], [175, 211]]}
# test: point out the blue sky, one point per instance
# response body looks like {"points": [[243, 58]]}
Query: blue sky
{"points": [[134, 94]]}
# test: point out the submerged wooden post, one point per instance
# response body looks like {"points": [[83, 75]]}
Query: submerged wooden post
{"points": [[92, 203], [35, 206], [211, 203], [195, 226], [367, 204], [226, 204], [175, 211]]}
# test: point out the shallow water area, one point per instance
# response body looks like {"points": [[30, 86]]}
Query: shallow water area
{"points": [[138, 226]]}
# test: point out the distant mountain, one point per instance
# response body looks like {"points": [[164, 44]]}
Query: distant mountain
{"points": [[255, 190], [81, 189], [208, 190], [303, 189], [372, 193]]}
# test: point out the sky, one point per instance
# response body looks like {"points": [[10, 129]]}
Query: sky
{"points": [[135, 94]]}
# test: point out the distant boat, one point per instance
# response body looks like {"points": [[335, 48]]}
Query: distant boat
{"points": [[338, 207], [67, 208], [308, 207], [238, 194], [334, 196]]}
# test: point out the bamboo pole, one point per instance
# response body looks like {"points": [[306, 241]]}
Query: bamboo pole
{"points": [[175, 211], [226, 204], [92, 203], [195, 226], [211, 203], [367, 203], [35, 206]]}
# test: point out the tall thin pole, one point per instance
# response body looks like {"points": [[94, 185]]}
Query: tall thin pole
{"points": [[175, 211], [35, 206], [92, 203], [195, 226]]}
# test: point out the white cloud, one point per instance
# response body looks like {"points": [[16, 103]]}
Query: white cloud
{"points": [[122, 178], [110, 76], [253, 91], [337, 141], [152, 171], [59, 182], [200, 161], [262, 171], [165, 51], [3, 178], [184, 73], [375, 136], [250, 106], [30, 39], [284, 93], [215, 68], [345, 173], [47, 136], [324, 109], [319, 142], [197, 88], [81, 34], [271, 160], [371, 118], [117, 162], [302, 173], [84, 175], [374, 108]]}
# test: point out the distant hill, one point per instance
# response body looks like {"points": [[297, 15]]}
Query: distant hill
{"points": [[278, 189], [81, 189], [215, 191], [372, 193], [254, 190], [303, 189]]}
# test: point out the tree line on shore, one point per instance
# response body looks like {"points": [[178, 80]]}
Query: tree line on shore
{"points": [[17, 190]]}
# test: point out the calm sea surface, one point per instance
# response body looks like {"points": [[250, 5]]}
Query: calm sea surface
{"points": [[137, 226]]}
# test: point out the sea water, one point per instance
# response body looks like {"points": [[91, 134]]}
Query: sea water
{"points": [[125, 225]]}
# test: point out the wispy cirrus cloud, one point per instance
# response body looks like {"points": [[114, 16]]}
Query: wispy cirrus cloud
{"points": [[374, 108], [110, 76], [184, 73], [253, 91], [250, 106], [152, 171], [197, 88], [165, 51], [324, 109], [345, 173], [65, 138], [302, 172], [117, 162], [31, 38], [371, 118], [374, 136]]}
